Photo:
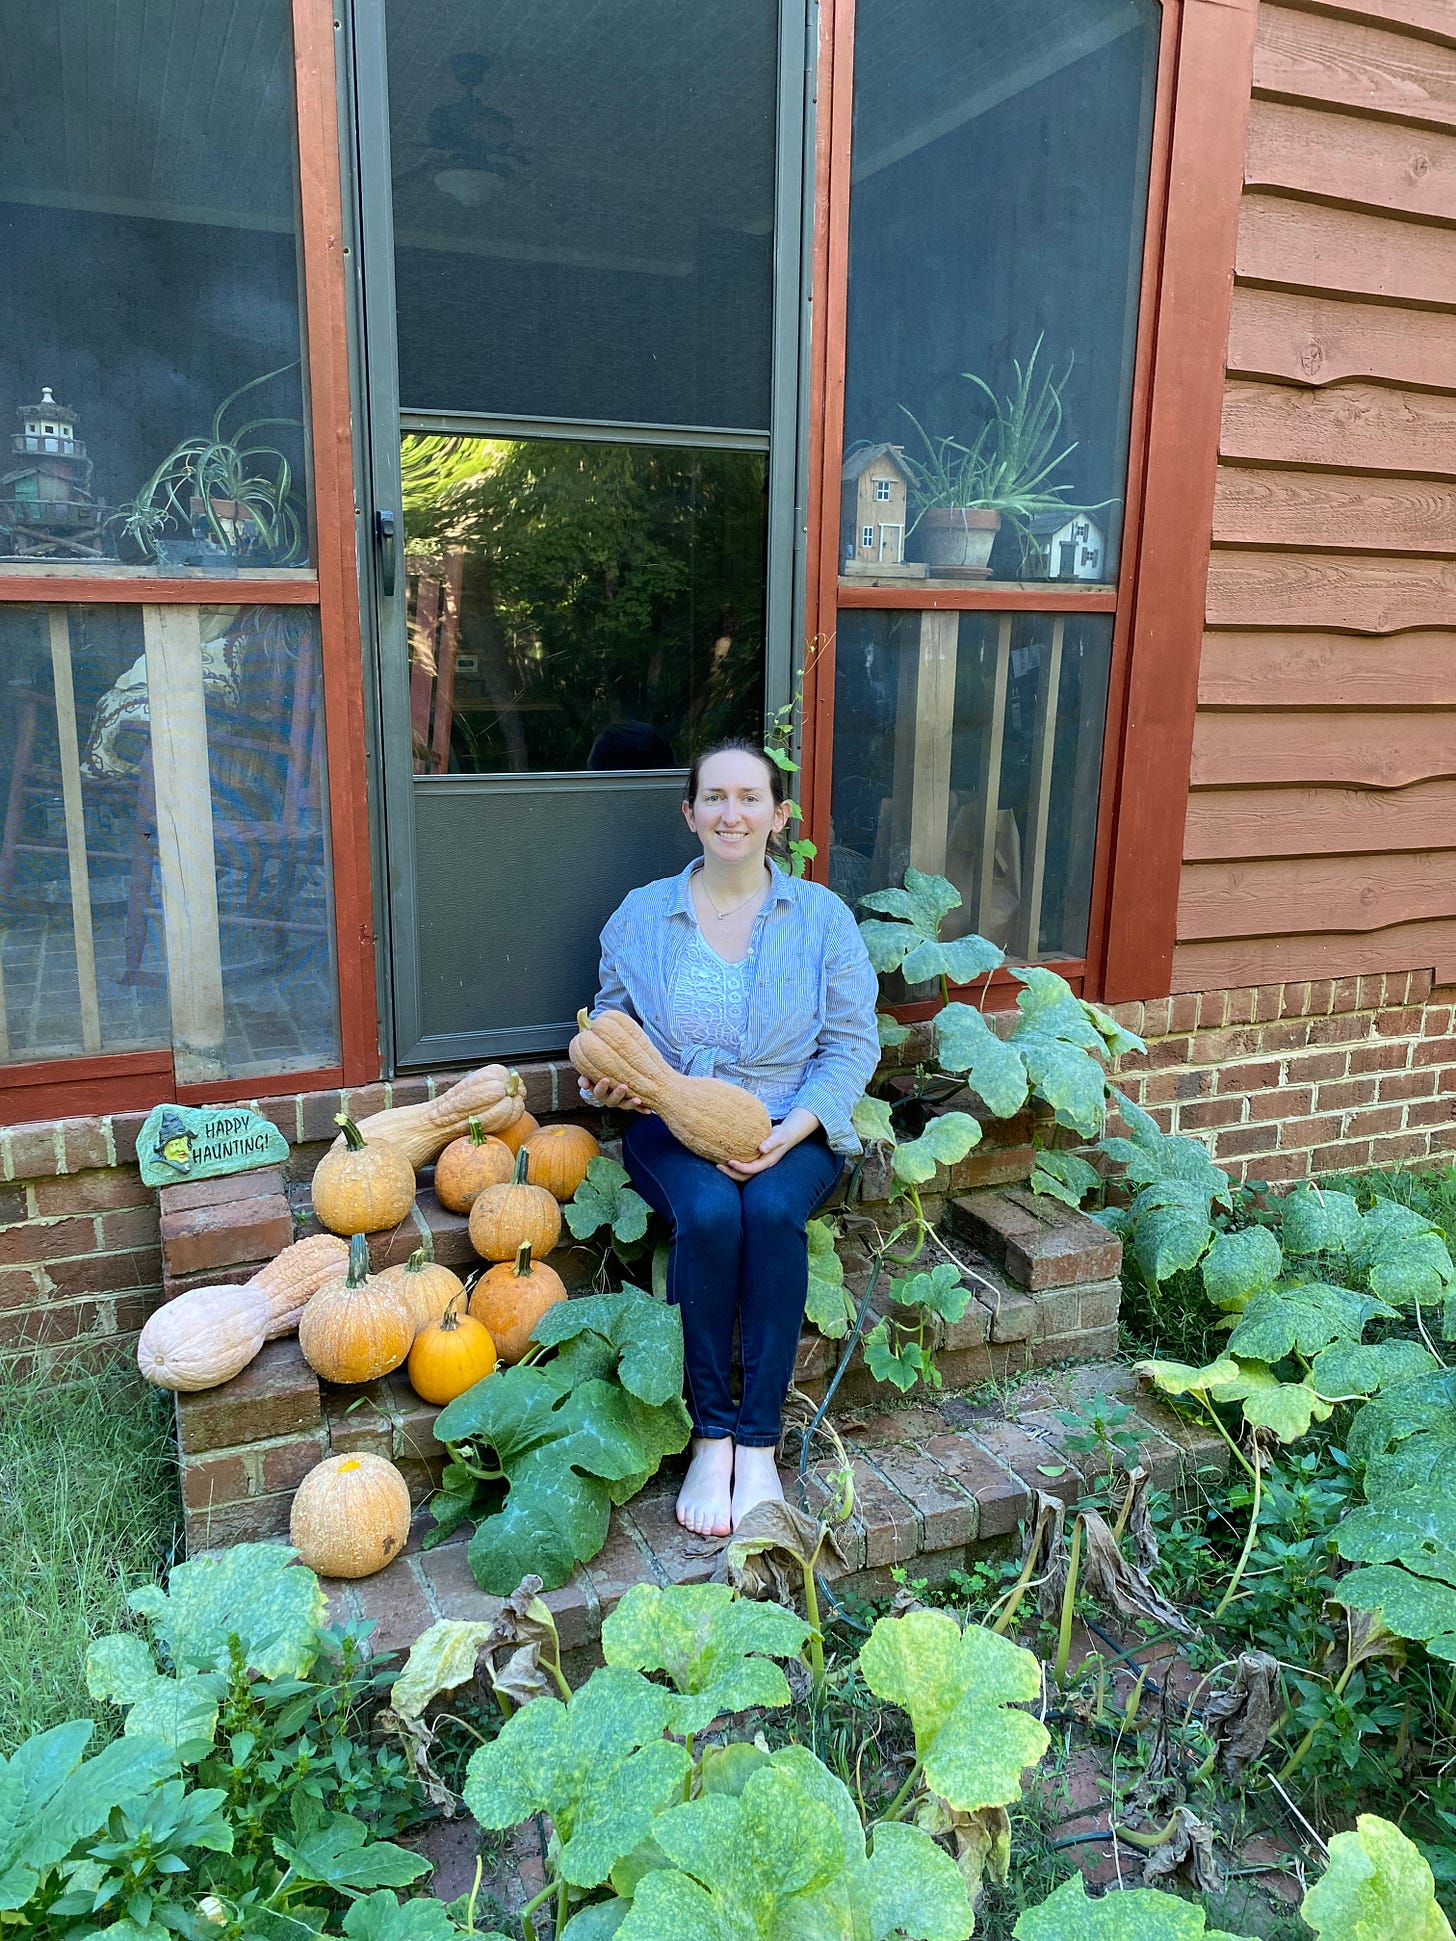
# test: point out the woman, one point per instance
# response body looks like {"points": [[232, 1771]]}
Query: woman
{"points": [[738, 970]]}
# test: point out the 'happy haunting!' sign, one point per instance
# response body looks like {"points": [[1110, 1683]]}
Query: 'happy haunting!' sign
{"points": [[179, 1142]]}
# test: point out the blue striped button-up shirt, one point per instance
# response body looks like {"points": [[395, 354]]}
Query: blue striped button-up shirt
{"points": [[809, 1037]]}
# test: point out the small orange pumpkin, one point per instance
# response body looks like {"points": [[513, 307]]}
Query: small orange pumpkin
{"points": [[356, 1328], [450, 1355], [350, 1515], [511, 1298], [504, 1216], [427, 1286], [560, 1156], [362, 1186], [467, 1166], [515, 1136]]}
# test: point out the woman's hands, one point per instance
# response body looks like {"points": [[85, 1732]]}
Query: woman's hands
{"points": [[619, 1098], [784, 1137]]}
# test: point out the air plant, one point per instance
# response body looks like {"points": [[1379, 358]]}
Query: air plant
{"points": [[227, 487]]}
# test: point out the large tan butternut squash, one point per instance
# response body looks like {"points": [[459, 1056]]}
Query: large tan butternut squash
{"points": [[292, 1278], [492, 1095], [711, 1117]]}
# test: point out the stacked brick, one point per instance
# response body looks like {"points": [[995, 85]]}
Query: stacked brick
{"points": [[1286, 1081]]}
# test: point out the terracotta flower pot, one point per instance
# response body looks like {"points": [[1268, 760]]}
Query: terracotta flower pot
{"points": [[959, 538]]}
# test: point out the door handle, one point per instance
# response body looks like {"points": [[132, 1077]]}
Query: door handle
{"points": [[386, 539]]}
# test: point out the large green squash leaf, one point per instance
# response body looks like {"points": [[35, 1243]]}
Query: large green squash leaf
{"points": [[1407, 1435], [1415, 1527], [994, 1069], [947, 1138], [715, 1647], [574, 1433], [1240, 1265], [1348, 1368], [961, 1690], [599, 1766], [254, 1592], [828, 1307], [1307, 1318], [646, 1333], [1134, 1914], [1377, 1887], [785, 1860], [1315, 1222], [1410, 1606]]}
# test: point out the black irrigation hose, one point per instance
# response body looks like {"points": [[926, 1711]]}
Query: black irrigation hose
{"points": [[849, 1347]]}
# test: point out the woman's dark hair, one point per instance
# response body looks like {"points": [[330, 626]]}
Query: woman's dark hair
{"points": [[736, 746]]}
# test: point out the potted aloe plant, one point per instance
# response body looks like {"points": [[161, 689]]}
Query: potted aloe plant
{"points": [[221, 498], [964, 492]]}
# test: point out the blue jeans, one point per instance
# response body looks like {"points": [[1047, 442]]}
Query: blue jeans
{"points": [[737, 1253]]}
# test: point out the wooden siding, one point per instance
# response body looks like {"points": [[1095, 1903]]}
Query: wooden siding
{"points": [[1321, 829]]}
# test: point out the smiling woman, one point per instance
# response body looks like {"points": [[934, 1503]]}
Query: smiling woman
{"points": [[739, 972]]}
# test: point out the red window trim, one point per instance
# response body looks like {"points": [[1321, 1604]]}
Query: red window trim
{"points": [[1204, 71], [114, 1082]]}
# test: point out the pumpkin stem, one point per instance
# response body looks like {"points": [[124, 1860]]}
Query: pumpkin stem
{"points": [[519, 1175], [417, 1263], [523, 1261], [353, 1137], [358, 1260], [583, 1022], [450, 1319], [477, 1136], [513, 1084]]}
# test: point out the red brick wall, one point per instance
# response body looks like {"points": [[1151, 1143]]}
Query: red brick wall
{"points": [[1283, 1081]]}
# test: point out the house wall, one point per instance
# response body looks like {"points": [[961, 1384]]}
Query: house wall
{"points": [[1321, 828]]}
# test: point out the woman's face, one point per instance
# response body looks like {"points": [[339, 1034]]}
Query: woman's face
{"points": [[734, 812]]}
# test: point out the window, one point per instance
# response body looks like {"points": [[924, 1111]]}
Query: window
{"points": [[867, 536], [998, 187], [584, 210], [169, 890], [999, 161], [609, 599], [148, 228]]}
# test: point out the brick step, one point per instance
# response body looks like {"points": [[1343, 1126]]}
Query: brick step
{"points": [[937, 1485]]}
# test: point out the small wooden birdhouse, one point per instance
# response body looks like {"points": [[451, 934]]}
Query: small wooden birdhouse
{"points": [[1076, 550], [45, 499], [875, 491]]}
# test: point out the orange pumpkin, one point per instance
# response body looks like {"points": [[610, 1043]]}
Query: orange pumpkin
{"points": [[427, 1286], [511, 1298], [467, 1166], [560, 1156], [504, 1216], [356, 1328], [362, 1186], [515, 1136], [450, 1355], [350, 1515]]}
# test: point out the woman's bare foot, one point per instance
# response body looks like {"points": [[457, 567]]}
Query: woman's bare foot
{"points": [[703, 1502], [755, 1480]]}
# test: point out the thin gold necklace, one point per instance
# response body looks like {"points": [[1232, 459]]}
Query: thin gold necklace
{"points": [[721, 914]]}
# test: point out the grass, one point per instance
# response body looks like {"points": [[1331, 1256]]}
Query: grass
{"points": [[89, 1509]]}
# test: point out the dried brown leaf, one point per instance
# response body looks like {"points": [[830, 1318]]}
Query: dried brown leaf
{"points": [[1110, 1577], [1240, 1718], [1187, 1855]]}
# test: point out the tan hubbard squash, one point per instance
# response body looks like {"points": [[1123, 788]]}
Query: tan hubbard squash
{"points": [[708, 1115], [363, 1186], [427, 1286], [203, 1338], [350, 1515], [511, 1298], [515, 1136], [290, 1280], [492, 1095], [355, 1329], [503, 1216], [468, 1165], [450, 1355], [560, 1156]]}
